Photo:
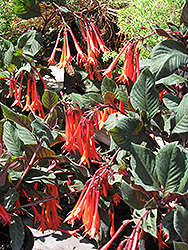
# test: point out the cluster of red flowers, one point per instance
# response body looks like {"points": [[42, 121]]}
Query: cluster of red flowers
{"points": [[49, 217], [94, 42], [79, 129], [88, 202], [131, 64], [80, 134], [33, 102]]}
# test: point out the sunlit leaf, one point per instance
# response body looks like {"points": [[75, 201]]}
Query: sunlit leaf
{"points": [[181, 117], [12, 140], [170, 167], [180, 225], [134, 198], [144, 96], [166, 57], [143, 168], [125, 131], [22, 120]]}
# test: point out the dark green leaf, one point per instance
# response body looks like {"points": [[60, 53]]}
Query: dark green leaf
{"points": [[181, 117], [121, 93], [25, 135], [42, 130], [170, 167], [22, 120], [49, 99], [17, 233], [108, 85], [35, 175], [144, 96], [7, 55], [113, 120], [92, 99], [125, 131], [26, 9], [80, 73], [77, 98], [168, 226], [26, 39], [149, 224], [180, 222], [12, 140], [91, 86], [134, 198], [10, 198], [166, 57], [171, 101], [184, 14], [143, 167]]}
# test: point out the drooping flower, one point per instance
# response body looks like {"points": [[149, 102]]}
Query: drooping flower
{"points": [[65, 55], [17, 94], [88, 202], [128, 67], [33, 101], [79, 130], [99, 39], [51, 60], [81, 55], [51, 216], [108, 71]]}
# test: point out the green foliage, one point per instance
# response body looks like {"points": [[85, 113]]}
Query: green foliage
{"points": [[150, 173], [17, 233], [6, 16]]}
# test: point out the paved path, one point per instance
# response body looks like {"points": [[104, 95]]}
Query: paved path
{"points": [[57, 240]]}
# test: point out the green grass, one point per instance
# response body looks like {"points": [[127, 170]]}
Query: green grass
{"points": [[143, 13]]}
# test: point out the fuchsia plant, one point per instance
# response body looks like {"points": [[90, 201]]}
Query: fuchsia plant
{"points": [[143, 114]]}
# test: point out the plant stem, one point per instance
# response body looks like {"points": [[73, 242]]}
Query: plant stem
{"points": [[30, 163]]}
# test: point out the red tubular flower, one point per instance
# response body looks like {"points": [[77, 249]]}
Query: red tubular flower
{"points": [[82, 30], [17, 95], [72, 129], [128, 67], [49, 210], [65, 56], [88, 202], [6, 217], [99, 39], [27, 106], [81, 55], [108, 71], [33, 96], [51, 60], [11, 86], [38, 217]]}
